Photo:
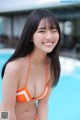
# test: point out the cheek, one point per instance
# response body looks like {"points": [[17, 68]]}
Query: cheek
{"points": [[56, 36], [37, 39]]}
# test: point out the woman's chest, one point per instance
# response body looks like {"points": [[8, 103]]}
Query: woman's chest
{"points": [[35, 81]]}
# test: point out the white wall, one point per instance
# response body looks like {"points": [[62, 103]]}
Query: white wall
{"points": [[18, 5]]}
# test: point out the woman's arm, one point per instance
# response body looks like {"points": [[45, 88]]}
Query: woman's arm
{"points": [[9, 87], [43, 107]]}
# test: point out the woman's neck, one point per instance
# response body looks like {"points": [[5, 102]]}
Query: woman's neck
{"points": [[38, 57]]}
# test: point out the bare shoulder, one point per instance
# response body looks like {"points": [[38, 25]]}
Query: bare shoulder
{"points": [[13, 68]]}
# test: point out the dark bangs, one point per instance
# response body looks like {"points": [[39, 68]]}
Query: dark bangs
{"points": [[49, 23], [52, 23]]}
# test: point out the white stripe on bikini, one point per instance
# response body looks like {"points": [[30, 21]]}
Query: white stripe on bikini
{"points": [[23, 93]]}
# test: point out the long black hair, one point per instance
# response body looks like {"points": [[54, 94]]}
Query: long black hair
{"points": [[26, 46]]}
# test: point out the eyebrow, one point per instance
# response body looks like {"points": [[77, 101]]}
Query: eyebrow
{"points": [[54, 27], [41, 28]]}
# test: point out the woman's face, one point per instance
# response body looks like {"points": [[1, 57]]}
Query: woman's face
{"points": [[45, 39]]}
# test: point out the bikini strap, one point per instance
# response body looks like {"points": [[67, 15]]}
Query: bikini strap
{"points": [[28, 69]]}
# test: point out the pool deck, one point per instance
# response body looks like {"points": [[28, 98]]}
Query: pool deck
{"points": [[8, 50]]}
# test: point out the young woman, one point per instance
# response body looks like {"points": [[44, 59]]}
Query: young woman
{"points": [[33, 69]]}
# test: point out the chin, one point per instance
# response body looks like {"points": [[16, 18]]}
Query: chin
{"points": [[48, 51]]}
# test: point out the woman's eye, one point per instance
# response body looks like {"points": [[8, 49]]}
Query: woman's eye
{"points": [[54, 30], [41, 31]]}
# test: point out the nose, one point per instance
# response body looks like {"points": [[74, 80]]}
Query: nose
{"points": [[49, 35]]}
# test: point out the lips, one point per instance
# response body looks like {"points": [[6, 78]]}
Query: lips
{"points": [[48, 43]]}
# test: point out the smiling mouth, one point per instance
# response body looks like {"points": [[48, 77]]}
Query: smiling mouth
{"points": [[48, 43]]}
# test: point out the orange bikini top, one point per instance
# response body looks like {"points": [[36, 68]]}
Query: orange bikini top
{"points": [[23, 94]]}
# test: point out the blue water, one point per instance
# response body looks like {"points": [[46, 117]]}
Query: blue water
{"points": [[64, 101]]}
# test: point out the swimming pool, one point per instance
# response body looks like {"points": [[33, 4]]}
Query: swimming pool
{"points": [[64, 102]]}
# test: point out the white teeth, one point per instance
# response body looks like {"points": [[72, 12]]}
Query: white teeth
{"points": [[47, 43]]}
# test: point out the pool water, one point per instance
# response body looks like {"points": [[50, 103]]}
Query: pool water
{"points": [[64, 101]]}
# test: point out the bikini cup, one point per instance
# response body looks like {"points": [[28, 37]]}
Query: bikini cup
{"points": [[23, 94]]}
